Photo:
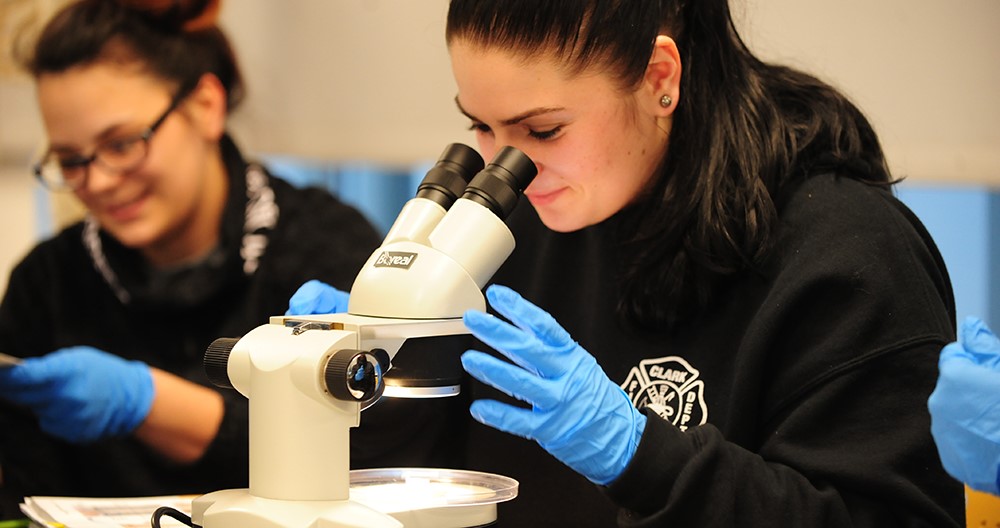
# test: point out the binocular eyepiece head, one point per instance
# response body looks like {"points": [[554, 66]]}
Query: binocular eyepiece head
{"points": [[460, 173]]}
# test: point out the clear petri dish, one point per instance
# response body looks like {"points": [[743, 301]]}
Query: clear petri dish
{"points": [[393, 489]]}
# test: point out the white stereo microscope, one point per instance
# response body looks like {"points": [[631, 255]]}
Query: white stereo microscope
{"points": [[309, 377]]}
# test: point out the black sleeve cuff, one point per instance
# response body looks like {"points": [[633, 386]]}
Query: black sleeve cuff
{"points": [[659, 459]]}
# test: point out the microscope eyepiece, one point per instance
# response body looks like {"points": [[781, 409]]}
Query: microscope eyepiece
{"points": [[447, 179], [500, 184]]}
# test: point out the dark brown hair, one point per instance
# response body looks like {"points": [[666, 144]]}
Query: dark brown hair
{"points": [[177, 40]]}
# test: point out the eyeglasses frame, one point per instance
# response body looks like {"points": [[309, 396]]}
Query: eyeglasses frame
{"points": [[145, 136]]}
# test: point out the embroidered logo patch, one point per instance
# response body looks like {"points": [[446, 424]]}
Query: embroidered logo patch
{"points": [[670, 387]]}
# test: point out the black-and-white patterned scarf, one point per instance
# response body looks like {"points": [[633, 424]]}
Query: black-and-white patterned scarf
{"points": [[260, 217]]}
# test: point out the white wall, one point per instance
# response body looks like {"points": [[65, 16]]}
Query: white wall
{"points": [[346, 80], [926, 73], [17, 220]]}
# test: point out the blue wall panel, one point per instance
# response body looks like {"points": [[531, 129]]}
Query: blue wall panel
{"points": [[992, 287], [962, 220]]}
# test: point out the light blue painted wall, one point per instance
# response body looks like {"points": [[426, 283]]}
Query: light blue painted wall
{"points": [[962, 221], [993, 289], [379, 193]]}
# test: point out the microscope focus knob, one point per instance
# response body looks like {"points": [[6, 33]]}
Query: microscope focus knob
{"points": [[356, 375], [217, 361]]}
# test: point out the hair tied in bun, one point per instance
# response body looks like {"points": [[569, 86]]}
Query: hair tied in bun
{"points": [[207, 18], [184, 15]]}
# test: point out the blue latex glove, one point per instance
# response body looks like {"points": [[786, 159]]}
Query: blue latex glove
{"points": [[81, 394], [965, 407], [315, 297], [578, 415]]}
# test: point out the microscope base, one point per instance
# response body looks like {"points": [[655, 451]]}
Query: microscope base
{"points": [[236, 508]]}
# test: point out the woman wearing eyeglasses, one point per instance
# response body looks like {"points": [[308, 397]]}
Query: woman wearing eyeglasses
{"points": [[185, 241]]}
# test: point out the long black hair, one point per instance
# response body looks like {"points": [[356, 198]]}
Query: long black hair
{"points": [[176, 40], [741, 129]]}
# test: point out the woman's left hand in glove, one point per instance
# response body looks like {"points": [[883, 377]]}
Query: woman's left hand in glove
{"points": [[577, 413]]}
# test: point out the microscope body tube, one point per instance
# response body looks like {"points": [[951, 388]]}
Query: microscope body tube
{"points": [[442, 185], [441, 274], [475, 238], [415, 221], [408, 280], [440, 279], [299, 434]]}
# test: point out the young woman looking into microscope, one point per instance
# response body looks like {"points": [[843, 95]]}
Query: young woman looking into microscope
{"points": [[719, 314]]}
